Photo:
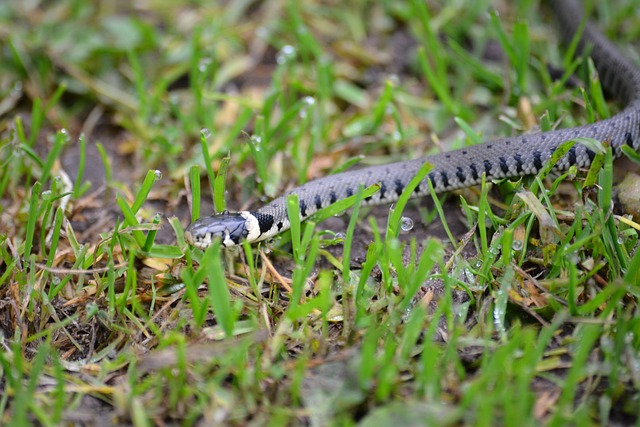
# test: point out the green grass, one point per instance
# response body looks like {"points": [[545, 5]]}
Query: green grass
{"points": [[119, 126]]}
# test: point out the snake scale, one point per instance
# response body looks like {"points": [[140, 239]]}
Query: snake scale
{"points": [[501, 158]]}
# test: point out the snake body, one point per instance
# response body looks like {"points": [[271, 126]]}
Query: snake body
{"points": [[497, 159]]}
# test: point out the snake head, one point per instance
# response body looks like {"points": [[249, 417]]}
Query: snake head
{"points": [[230, 228]]}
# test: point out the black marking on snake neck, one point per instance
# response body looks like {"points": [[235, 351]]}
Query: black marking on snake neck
{"points": [[265, 221]]}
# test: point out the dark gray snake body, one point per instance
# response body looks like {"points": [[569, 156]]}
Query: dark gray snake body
{"points": [[501, 158]]}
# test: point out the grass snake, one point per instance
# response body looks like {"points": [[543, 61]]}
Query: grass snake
{"points": [[497, 159]]}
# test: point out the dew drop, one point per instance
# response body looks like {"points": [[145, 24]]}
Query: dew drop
{"points": [[256, 141], [46, 195], [65, 133], [340, 235], [307, 102], [157, 175], [468, 274], [286, 53], [203, 64], [406, 224], [205, 133], [517, 245]]}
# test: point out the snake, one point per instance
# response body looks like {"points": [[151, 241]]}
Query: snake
{"points": [[510, 157]]}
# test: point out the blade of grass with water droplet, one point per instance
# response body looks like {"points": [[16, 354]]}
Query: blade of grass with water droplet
{"points": [[395, 218]]}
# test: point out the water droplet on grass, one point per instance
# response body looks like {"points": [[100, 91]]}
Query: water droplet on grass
{"points": [[406, 224], [286, 53], [469, 276], [256, 141], [307, 102], [158, 175], [205, 133], [64, 132], [203, 64]]}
